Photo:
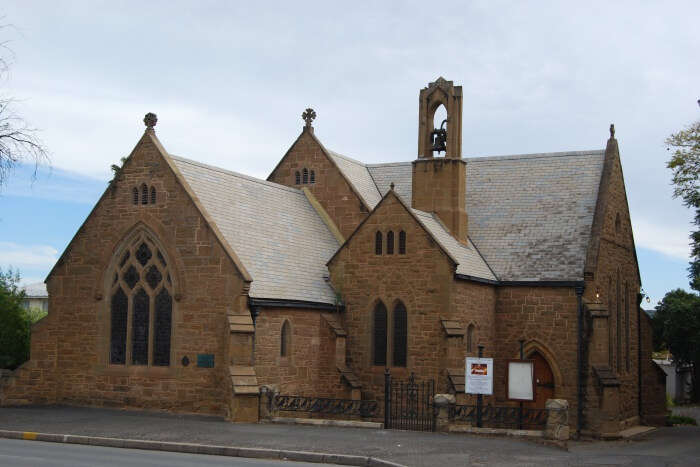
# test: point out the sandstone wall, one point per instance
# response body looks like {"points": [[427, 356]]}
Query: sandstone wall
{"points": [[70, 348]]}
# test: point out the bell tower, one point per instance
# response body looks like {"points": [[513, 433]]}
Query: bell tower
{"points": [[439, 183]]}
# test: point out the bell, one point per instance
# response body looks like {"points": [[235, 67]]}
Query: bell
{"points": [[439, 138]]}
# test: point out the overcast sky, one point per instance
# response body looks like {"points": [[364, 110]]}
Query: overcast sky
{"points": [[229, 85]]}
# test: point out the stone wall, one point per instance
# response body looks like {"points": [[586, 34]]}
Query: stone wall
{"points": [[654, 409], [330, 188], [546, 318], [421, 279], [612, 279], [70, 348], [310, 368]]}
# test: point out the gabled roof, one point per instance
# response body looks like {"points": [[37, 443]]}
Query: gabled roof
{"points": [[35, 290], [466, 258], [273, 229], [529, 215], [356, 173], [469, 261]]}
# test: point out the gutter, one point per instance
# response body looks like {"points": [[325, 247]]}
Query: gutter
{"points": [[639, 354], [467, 277]]}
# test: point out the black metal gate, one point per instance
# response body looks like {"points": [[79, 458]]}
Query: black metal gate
{"points": [[408, 404]]}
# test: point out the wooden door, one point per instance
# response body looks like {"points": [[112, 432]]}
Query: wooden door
{"points": [[544, 381]]}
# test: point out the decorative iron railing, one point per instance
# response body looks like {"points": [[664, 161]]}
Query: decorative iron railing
{"points": [[501, 417], [322, 405], [408, 404]]}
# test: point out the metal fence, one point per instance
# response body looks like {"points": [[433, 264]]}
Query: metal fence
{"points": [[500, 417], [323, 405]]}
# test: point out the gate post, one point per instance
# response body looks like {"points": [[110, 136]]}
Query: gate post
{"points": [[387, 398], [444, 406]]}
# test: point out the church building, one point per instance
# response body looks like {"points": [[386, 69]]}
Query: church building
{"points": [[189, 288]]}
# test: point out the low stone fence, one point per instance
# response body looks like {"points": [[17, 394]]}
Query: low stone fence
{"points": [[552, 422], [273, 405]]}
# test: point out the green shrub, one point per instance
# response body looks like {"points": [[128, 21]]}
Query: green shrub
{"points": [[681, 420], [14, 322]]}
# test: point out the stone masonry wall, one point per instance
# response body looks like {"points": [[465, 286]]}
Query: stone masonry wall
{"points": [[546, 317], [69, 361], [616, 264], [310, 367], [472, 303], [421, 279], [330, 187], [653, 380]]}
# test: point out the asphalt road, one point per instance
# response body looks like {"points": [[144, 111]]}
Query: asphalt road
{"points": [[667, 446], [20, 453]]}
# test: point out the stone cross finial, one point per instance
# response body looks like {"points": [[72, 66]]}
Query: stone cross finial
{"points": [[612, 130], [150, 120], [309, 115]]}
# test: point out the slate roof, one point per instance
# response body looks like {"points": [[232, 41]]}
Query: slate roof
{"points": [[470, 261], [357, 174], [530, 215], [274, 230]]}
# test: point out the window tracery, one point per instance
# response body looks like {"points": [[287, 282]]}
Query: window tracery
{"points": [[141, 306]]}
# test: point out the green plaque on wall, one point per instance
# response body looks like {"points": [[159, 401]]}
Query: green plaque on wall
{"points": [[205, 360]]}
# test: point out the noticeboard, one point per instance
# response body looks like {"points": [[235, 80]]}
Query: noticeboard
{"points": [[520, 380], [478, 376]]}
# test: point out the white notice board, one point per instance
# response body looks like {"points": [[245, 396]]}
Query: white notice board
{"points": [[478, 378], [521, 380]]}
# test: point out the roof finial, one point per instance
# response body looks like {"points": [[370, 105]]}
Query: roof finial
{"points": [[309, 115], [391, 186], [612, 130], [150, 120]]}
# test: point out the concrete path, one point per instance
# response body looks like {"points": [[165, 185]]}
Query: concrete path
{"points": [[666, 446], [19, 453]]}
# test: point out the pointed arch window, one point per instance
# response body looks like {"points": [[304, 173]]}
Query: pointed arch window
{"points": [[402, 243], [153, 195], [312, 177], [297, 177], [285, 340], [470, 338], [390, 242], [400, 335], [135, 195], [379, 335], [144, 194], [305, 175], [627, 327], [378, 243], [140, 294]]}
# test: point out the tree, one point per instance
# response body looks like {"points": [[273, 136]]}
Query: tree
{"points": [[14, 322], [676, 324], [685, 164], [19, 142]]}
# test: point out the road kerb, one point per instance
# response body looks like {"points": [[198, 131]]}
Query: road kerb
{"points": [[230, 451]]}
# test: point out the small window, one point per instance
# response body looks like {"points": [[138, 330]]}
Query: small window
{"points": [[144, 194], [390, 243], [379, 335], [378, 243], [470, 338], [618, 223], [285, 340], [305, 175], [312, 177], [153, 195], [400, 342], [135, 195], [297, 177], [402, 243]]}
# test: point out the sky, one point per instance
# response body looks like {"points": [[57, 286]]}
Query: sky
{"points": [[229, 81]]}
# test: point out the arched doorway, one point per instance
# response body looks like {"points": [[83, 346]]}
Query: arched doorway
{"points": [[544, 381]]}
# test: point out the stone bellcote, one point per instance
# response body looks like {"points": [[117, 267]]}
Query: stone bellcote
{"points": [[445, 93], [440, 183]]}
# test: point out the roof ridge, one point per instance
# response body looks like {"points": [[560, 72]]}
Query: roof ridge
{"points": [[236, 174], [536, 155], [347, 158]]}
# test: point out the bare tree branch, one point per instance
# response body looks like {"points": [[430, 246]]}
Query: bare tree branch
{"points": [[19, 142]]}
